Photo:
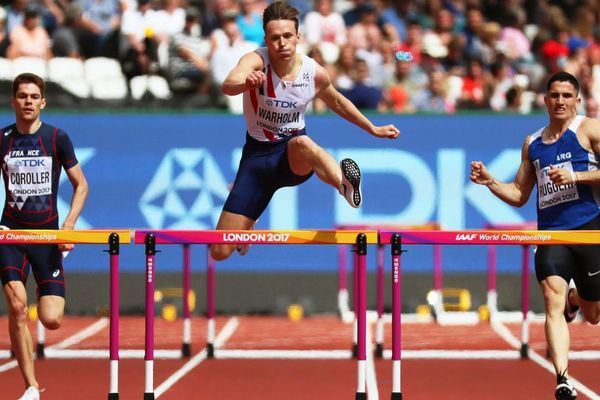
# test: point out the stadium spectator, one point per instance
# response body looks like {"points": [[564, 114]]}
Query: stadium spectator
{"points": [[29, 39], [324, 25], [188, 66], [65, 41], [433, 98], [408, 80], [138, 50], [250, 22], [100, 23], [362, 93], [3, 33], [473, 86], [344, 67]]}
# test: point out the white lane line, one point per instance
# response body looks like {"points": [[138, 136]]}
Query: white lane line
{"points": [[70, 341], [507, 335], [82, 335], [372, 388], [223, 336], [283, 354]]}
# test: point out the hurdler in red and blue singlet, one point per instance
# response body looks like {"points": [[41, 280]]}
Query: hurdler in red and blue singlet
{"points": [[31, 167]]}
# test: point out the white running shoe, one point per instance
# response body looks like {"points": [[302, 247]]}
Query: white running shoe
{"points": [[564, 389], [350, 185], [32, 393]]}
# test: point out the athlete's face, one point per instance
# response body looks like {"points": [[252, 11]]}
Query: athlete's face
{"points": [[561, 100], [281, 38], [28, 102]]}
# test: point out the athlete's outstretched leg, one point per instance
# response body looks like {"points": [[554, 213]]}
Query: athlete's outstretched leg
{"points": [[229, 221], [305, 156]]}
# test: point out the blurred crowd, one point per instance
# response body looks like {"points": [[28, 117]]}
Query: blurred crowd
{"points": [[467, 54]]}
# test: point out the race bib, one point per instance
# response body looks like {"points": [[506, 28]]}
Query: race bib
{"points": [[29, 176], [551, 194]]}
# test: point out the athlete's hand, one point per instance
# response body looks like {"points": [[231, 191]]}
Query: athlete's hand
{"points": [[66, 247], [255, 79], [480, 174], [386, 132], [561, 176]]}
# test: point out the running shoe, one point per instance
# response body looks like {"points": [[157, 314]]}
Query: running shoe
{"points": [[564, 388], [242, 249], [32, 393], [350, 186], [570, 310]]}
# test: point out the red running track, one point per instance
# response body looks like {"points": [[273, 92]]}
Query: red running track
{"points": [[295, 379]]}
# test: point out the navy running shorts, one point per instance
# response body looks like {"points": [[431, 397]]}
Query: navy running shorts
{"points": [[45, 261], [578, 262], [264, 168]]}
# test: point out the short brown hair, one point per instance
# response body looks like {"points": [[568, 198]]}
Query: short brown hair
{"points": [[280, 11], [28, 77]]}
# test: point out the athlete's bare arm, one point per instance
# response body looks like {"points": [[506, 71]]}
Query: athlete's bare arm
{"points": [[246, 75], [345, 109], [515, 193], [80, 192]]}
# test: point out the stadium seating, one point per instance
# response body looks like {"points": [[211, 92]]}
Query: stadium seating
{"points": [[70, 74], [106, 79]]}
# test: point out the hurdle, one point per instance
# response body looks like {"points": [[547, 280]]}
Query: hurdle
{"points": [[151, 238], [343, 308], [472, 237], [492, 294], [111, 237]]}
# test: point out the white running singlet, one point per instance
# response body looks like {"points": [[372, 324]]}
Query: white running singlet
{"points": [[276, 109]]}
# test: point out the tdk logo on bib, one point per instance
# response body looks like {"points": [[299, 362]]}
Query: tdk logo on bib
{"points": [[281, 103]]}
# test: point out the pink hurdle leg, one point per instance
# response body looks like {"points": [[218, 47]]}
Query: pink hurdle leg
{"points": [[396, 243], [210, 305], [525, 304], [380, 302], [149, 350], [113, 251], [361, 316], [354, 299], [187, 325]]}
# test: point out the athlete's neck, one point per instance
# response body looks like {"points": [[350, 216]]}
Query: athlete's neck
{"points": [[286, 70], [26, 127], [556, 128]]}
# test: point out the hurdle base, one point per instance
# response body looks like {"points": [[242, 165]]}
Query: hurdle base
{"points": [[186, 350], [354, 351], [396, 396], [524, 352], [379, 350], [360, 396], [148, 396], [39, 351], [113, 396], [210, 350]]}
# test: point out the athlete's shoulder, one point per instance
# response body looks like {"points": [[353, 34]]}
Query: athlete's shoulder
{"points": [[535, 136], [8, 129]]}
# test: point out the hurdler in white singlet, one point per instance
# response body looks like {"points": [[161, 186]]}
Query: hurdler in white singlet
{"points": [[277, 109]]}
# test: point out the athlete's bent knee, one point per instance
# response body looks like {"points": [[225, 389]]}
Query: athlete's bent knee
{"points": [[51, 323], [220, 252]]}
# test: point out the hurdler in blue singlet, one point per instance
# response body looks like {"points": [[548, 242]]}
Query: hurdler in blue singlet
{"points": [[564, 206]]}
